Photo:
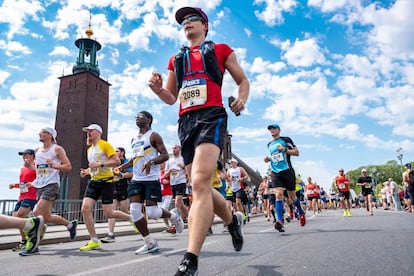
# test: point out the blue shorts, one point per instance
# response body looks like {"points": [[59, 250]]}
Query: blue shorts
{"points": [[148, 190], [25, 203]]}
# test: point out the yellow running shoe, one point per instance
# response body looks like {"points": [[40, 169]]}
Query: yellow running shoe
{"points": [[348, 214], [91, 245], [345, 213]]}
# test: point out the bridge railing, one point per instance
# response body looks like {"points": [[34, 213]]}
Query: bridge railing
{"points": [[70, 209]]}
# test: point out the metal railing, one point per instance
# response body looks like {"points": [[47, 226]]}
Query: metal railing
{"points": [[70, 209]]}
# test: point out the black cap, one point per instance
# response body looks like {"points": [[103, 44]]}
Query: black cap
{"points": [[27, 151], [181, 13]]}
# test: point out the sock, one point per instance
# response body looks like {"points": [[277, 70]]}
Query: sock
{"points": [[148, 239], [110, 233], [95, 239], [69, 226], [273, 213], [193, 258], [173, 215], [28, 225], [297, 204], [279, 210]]}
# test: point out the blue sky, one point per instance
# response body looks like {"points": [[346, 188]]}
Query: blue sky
{"points": [[337, 76]]}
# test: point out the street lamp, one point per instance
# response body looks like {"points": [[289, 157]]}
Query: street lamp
{"points": [[400, 157]]}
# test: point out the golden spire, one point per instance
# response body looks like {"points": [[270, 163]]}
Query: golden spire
{"points": [[89, 31]]}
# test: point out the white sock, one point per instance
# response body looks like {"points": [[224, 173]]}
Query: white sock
{"points": [[28, 225], [110, 233], [148, 239], [95, 239]]}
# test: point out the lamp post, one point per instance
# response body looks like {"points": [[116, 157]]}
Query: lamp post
{"points": [[374, 174], [400, 157]]}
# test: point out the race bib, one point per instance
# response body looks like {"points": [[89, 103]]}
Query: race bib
{"points": [[277, 157], [42, 170], [341, 186], [368, 186], [138, 149], [193, 92], [174, 173], [23, 187]]}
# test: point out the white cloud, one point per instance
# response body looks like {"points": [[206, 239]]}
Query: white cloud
{"points": [[272, 13], [13, 48], [303, 53], [3, 76], [329, 5], [60, 51], [16, 13]]}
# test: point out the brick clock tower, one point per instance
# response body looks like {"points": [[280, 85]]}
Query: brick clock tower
{"points": [[83, 99]]}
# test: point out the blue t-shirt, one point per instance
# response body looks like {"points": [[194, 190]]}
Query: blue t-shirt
{"points": [[279, 160]]}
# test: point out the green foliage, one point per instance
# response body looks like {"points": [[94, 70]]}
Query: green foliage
{"points": [[380, 173]]}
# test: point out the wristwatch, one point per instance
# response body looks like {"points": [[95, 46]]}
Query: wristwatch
{"points": [[152, 162]]}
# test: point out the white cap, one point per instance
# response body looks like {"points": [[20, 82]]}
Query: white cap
{"points": [[233, 160], [51, 131], [93, 127], [363, 170]]}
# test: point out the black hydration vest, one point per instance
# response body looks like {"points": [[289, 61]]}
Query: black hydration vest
{"points": [[182, 66]]}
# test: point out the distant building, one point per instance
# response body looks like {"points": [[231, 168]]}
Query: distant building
{"points": [[83, 99]]}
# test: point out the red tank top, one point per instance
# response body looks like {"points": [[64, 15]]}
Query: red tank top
{"points": [[340, 182]]}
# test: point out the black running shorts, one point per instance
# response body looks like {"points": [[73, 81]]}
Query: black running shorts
{"points": [[207, 125]]}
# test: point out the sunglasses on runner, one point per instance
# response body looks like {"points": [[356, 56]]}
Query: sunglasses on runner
{"points": [[192, 18]]}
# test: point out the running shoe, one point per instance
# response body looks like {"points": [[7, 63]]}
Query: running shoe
{"points": [[108, 239], [302, 220], [72, 230], [131, 220], [186, 268], [348, 213], [291, 215], [24, 252], [177, 221], [345, 213], [151, 247], [235, 230], [279, 226], [33, 235], [296, 213], [91, 245], [20, 246]]}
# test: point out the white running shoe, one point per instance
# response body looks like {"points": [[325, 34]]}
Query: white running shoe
{"points": [[178, 221], [151, 247]]}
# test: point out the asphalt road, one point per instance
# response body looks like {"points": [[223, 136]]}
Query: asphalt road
{"points": [[329, 244]]}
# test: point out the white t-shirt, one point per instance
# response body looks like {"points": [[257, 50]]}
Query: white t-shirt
{"points": [[177, 174]]}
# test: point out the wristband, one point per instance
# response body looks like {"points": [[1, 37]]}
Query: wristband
{"points": [[160, 91]]}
